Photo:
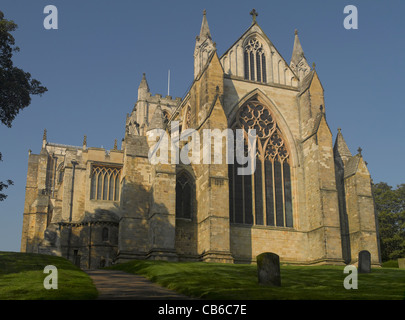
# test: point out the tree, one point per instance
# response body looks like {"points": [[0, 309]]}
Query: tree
{"points": [[16, 85], [390, 205]]}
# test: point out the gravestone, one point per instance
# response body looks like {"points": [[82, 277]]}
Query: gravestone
{"points": [[401, 263], [364, 262], [268, 269]]}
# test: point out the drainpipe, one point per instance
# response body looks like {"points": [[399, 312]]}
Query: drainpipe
{"points": [[89, 246], [74, 163]]}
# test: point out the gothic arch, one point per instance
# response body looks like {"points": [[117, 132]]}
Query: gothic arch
{"points": [[276, 162], [256, 53], [280, 120], [185, 195], [266, 43]]}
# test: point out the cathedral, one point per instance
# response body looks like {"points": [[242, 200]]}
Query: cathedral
{"points": [[308, 200]]}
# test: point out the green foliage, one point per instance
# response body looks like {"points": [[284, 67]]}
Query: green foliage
{"points": [[22, 277], [16, 85], [239, 281], [390, 264], [390, 205]]}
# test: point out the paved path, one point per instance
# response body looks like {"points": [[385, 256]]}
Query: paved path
{"points": [[119, 285]]}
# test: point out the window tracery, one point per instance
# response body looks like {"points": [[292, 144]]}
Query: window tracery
{"points": [[105, 183], [265, 197], [255, 61]]}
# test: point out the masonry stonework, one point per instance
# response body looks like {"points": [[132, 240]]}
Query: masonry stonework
{"points": [[309, 200]]}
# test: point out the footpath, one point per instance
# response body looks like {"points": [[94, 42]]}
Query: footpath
{"points": [[119, 285]]}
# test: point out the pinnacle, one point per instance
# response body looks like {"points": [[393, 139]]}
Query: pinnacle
{"points": [[340, 145], [298, 52], [144, 83], [205, 30]]}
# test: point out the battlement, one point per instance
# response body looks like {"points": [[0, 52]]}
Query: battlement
{"points": [[167, 100]]}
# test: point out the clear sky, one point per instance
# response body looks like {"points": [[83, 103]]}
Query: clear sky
{"points": [[92, 66]]}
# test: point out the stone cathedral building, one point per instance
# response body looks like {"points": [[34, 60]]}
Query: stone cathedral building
{"points": [[309, 199]]}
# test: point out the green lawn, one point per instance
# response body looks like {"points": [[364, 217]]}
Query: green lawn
{"points": [[22, 277], [231, 281]]}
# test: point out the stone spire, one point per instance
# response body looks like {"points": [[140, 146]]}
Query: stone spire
{"points": [[298, 62], [204, 46]]}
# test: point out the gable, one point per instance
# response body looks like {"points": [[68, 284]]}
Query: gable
{"points": [[277, 69]]}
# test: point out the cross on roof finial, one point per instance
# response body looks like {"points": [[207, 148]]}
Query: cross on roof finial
{"points": [[254, 14], [359, 150]]}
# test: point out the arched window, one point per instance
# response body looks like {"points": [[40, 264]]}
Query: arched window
{"points": [[104, 234], [255, 61], [166, 116], [184, 196], [105, 183], [263, 198]]}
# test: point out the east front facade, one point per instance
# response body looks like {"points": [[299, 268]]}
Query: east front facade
{"points": [[308, 200]]}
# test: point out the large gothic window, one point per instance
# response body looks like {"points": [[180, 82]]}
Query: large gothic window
{"points": [[105, 183], [184, 196], [255, 61], [263, 198]]}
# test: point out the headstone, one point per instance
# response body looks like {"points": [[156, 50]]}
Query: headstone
{"points": [[268, 269], [364, 262], [401, 263]]}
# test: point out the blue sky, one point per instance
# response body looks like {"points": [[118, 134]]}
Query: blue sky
{"points": [[92, 66]]}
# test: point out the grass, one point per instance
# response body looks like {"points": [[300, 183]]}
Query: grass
{"points": [[22, 278], [237, 282]]}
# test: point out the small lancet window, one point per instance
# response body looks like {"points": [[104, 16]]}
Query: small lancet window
{"points": [[104, 234], [184, 196]]}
